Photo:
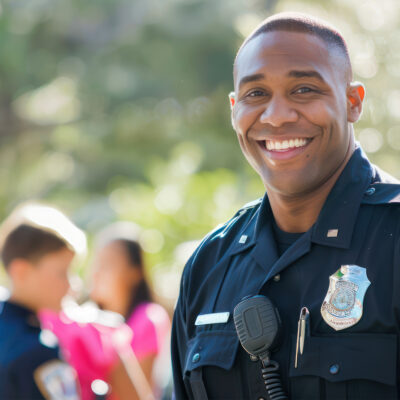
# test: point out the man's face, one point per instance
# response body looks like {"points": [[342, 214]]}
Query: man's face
{"points": [[290, 111]]}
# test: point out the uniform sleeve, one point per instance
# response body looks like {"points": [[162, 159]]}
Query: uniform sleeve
{"points": [[209, 252], [179, 340]]}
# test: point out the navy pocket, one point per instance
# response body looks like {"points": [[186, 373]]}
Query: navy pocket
{"points": [[345, 366]]}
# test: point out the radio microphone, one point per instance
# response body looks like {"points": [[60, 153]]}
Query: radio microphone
{"points": [[258, 326]]}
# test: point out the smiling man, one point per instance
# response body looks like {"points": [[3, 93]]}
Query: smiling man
{"points": [[322, 243]]}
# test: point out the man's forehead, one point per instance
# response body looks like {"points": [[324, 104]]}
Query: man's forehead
{"points": [[302, 49]]}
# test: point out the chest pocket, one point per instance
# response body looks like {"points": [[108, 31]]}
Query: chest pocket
{"points": [[345, 366], [216, 351]]}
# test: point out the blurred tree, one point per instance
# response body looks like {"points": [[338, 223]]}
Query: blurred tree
{"points": [[118, 110]]}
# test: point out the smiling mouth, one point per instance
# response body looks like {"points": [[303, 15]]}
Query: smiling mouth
{"points": [[284, 145]]}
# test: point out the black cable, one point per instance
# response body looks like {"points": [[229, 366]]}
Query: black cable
{"points": [[272, 380]]}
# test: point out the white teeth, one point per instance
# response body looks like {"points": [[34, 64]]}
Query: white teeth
{"points": [[285, 144]]}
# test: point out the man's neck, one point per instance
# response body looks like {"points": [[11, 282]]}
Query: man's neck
{"points": [[298, 214]]}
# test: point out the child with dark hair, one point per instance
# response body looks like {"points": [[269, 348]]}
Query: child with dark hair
{"points": [[99, 344], [119, 285], [38, 244]]}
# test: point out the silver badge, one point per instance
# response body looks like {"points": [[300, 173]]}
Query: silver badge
{"points": [[343, 304]]}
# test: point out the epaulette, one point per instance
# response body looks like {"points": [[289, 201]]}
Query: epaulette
{"points": [[382, 193], [222, 229]]}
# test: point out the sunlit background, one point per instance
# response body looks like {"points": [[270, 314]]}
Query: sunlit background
{"points": [[118, 110]]}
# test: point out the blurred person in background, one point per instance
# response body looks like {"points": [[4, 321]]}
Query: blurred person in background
{"points": [[119, 344], [119, 285], [38, 245]]}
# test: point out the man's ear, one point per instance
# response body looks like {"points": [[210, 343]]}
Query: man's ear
{"points": [[232, 99], [355, 98]]}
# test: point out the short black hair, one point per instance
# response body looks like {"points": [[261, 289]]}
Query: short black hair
{"points": [[302, 23], [29, 243], [33, 230]]}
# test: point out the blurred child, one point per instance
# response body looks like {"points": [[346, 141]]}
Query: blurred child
{"points": [[119, 285], [100, 346], [38, 244]]}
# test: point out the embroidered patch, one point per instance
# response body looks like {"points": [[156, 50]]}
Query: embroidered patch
{"points": [[57, 381], [343, 304]]}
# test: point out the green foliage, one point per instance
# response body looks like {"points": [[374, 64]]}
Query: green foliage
{"points": [[119, 111]]}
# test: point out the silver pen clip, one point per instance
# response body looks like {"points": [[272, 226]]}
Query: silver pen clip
{"points": [[303, 330]]}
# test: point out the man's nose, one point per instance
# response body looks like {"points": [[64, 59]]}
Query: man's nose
{"points": [[278, 111]]}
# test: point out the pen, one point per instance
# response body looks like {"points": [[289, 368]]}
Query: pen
{"points": [[303, 330]]}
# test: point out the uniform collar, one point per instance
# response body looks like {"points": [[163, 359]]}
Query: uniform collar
{"points": [[336, 221]]}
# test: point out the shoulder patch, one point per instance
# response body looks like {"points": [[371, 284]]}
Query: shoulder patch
{"points": [[57, 380]]}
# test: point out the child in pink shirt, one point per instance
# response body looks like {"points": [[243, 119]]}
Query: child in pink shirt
{"points": [[119, 288], [87, 340]]}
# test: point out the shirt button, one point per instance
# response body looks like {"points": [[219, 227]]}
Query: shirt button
{"points": [[196, 358], [277, 278], [370, 191], [334, 369]]}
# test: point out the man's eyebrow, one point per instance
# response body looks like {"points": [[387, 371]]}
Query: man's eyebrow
{"points": [[250, 78], [292, 74], [306, 74]]}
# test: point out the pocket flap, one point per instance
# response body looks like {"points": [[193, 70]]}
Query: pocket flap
{"points": [[217, 348], [348, 357]]}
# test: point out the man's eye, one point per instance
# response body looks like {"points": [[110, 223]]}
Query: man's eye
{"points": [[304, 89], [256, 93]]}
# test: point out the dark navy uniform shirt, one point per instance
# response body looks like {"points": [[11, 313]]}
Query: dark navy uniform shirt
{"points": [[23, 350], [358, 225]]}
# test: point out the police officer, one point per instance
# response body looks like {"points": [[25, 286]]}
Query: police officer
{"points": [[325, 236], [38, 244]]}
